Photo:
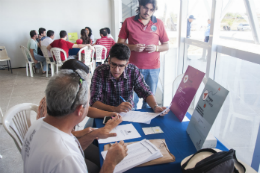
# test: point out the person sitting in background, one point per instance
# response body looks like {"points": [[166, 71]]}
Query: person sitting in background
{"points": [[41, 37], [104, 41], [32, 46], [49, 145], [89, 33], [65, 45], [108, 33], [84, 39], [118, 79], [48, 40]]}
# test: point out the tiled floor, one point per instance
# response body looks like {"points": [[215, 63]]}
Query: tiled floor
{"points": [[16, 88]]}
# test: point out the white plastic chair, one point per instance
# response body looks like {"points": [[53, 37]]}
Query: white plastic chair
{"points": [[99, 50], [48, 61], [29, 61], [89, 57], [17, 121], [4, 57], [55, 52]]}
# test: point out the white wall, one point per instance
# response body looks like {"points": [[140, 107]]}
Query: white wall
{"points": [[18, 17]]}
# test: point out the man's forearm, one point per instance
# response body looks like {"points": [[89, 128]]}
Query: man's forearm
{"points": [[163, 47], [32, 54], [87, 139], [151, 101], [108, 167], [97, 113], [103, 106]]}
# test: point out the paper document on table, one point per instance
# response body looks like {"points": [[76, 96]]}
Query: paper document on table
{"points": [[123, 132], [140, 117], [137, 154], [152, 130]]}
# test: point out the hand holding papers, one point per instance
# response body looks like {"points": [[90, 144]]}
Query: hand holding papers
{"points": [[123, 132], [141, 117], [138, 153]]}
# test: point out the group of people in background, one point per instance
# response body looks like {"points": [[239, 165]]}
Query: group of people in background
{"points": [[47, 39]]}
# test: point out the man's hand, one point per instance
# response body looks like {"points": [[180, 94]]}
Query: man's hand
{"points": [[138, 47], [159, 109], [116, 153], [124, 107], [150, 48], [104, 132]]}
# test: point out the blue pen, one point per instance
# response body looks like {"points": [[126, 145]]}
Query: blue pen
{"points": [[122, 99]]}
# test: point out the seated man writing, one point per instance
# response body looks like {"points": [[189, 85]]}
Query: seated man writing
{"points": [[119, 79], [49, 145]]}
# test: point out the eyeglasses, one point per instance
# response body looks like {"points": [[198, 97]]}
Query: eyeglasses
{"points": [[114, 65], [80, 85]]}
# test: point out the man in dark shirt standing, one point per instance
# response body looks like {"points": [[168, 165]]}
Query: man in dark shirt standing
{"points": [[112, 84]]}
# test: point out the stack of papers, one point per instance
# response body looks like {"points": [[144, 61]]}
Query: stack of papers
{"points": [[138, 153], [140, 117], [124, 132], [152, 130]]}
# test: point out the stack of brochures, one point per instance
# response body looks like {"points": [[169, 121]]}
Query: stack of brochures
{"points": [[137, 154]]}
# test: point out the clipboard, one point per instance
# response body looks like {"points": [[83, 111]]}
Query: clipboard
{"points": [[168, 157]]}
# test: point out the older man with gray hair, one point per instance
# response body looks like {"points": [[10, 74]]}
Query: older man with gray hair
{"points": [[49, 145]]}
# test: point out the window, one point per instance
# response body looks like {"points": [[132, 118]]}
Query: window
{"points": [[238, 121]]}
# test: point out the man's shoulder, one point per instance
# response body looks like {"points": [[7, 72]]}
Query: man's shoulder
{"points": [[132, 67], [130, 19]]}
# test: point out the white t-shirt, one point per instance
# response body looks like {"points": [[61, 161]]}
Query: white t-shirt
{"points": [[46, 149], [110, 36], [46, 42], [92, 38]]}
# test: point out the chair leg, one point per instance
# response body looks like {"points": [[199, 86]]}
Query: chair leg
{"points": [[27, 64], [10, 66], [52, 69], [31, 70], [7, 65], [57, 68], [47, 70]]}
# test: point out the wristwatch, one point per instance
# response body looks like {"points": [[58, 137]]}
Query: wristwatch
{"points": [[155, 107]]}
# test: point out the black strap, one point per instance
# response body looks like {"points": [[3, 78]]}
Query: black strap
{"points": [[200, 151]]}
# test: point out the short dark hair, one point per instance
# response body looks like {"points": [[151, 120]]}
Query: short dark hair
{"points": [[41, 30], [120, 51], [63, 34], [145, 2], [108, 30], [103, 31], [32, 33], [74, 64], [90, 31], [50, 33]]}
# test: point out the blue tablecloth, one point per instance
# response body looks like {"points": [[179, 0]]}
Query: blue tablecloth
{"points": [[175, 135], [74, 51]]}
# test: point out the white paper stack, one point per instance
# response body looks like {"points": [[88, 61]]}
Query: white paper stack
{"points": [[140, 117], [138, 153]]}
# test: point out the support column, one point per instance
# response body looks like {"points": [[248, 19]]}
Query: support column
{"points": [[116, 18]]}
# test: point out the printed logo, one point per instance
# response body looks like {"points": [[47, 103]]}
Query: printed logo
{"points": [[205, 95], [153, 28], [185, 78], [204, 106]]}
